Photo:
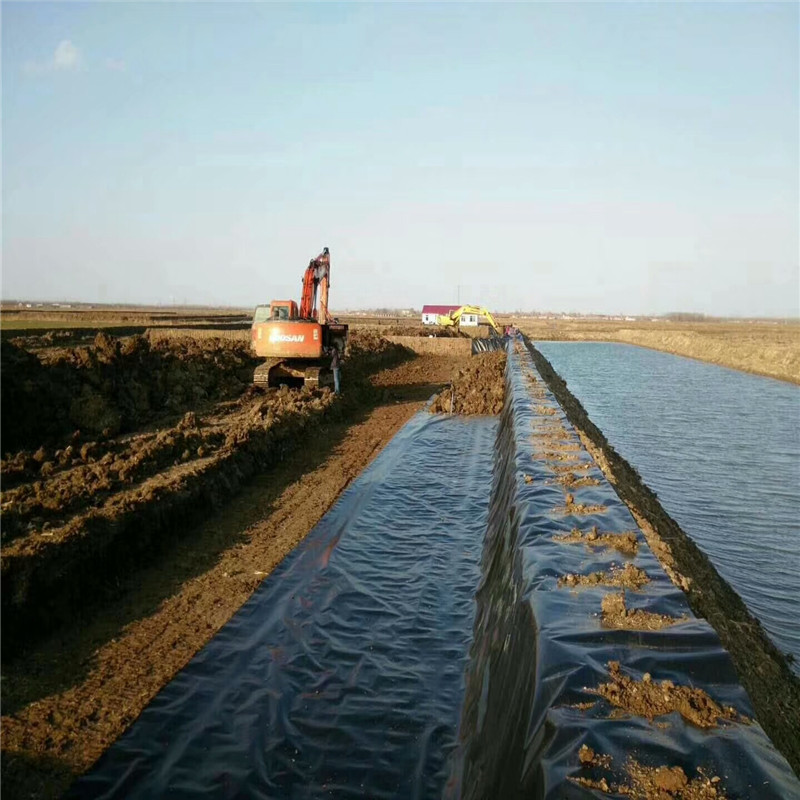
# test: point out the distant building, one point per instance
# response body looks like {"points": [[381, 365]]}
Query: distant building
{"points": [[430, 314]]}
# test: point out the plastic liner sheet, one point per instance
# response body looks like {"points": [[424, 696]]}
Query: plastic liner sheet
{"points": [[487, 345], [344, 674], [539, 649]]}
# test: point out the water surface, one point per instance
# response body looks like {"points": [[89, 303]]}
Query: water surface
{"points": [[721, 448]]}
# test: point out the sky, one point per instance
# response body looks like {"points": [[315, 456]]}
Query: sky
{"points": [[636, 158]]}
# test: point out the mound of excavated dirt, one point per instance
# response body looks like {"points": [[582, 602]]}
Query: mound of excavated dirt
{"points": [[74, 515], [626, 543], [617, 615], [423, 330], [649, 783], [113, 385], [368, 351], [479, 388], [627, 577], [650, 699]]}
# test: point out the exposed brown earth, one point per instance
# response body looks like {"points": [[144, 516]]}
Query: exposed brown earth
{"points": [[762, 669], [478, 388], [569, 480], [77, 517], [616, 614], [649, 783], [627, 577], [650, 698], [625, 543], [110, 387], [69, 697], [572, 507]]}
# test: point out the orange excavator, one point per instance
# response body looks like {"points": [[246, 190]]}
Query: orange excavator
{"points": [[298, 343]]}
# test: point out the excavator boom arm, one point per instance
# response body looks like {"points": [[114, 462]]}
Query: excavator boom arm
{"points": [[454, 317], [317, 275]]}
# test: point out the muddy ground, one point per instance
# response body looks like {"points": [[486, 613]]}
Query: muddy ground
{"points": [[168, 433], [223, 518], [762, 669], [477, 388]]}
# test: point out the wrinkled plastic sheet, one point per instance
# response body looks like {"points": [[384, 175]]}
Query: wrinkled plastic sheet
{"points": [[344, 674], [489, 344], [537, 647]]}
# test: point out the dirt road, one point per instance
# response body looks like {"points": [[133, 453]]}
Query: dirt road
{"points": [[68, 699]]}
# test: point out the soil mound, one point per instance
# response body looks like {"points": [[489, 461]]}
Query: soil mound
{"points": [[650, 699], [627, 577], [77, 513], [625, 543], [113, 385], [479, 388], [649, 783], [424, 331], [368, 351], [617, 615]]}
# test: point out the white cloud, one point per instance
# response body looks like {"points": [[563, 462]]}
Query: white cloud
{"points": [[66, 58], [115, 65]]}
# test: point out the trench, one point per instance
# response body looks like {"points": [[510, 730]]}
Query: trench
{"points": [[421, 642]]}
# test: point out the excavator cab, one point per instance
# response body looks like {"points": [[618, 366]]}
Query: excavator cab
{"points": [[283, 310], [277, 310]]}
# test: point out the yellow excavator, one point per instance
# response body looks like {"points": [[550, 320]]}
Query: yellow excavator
{"points": [[454, 317]]}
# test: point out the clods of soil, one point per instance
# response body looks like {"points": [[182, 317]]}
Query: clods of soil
{"points": [[625, 543], [650, 698], [478, 388], [79, 510], [615, 614], [649, 783], [111, 386], [569, 480], [627, 577], [571, 507]]}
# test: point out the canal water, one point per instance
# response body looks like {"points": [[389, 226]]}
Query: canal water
{"points": [[721, 448]]}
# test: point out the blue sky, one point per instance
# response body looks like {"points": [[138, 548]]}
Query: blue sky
{"points": [[636, 158]]}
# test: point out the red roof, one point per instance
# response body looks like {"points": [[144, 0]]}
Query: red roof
{"points": [[438, 309]]}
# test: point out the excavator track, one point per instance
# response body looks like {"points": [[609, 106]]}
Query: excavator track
{"points": [[261, 372], [318, 377]]}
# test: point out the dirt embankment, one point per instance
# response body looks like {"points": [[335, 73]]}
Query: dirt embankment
{"points": [[76, 517], [478, 388], [769, 349], [71, 695], [760, 666], [112, 386]]}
